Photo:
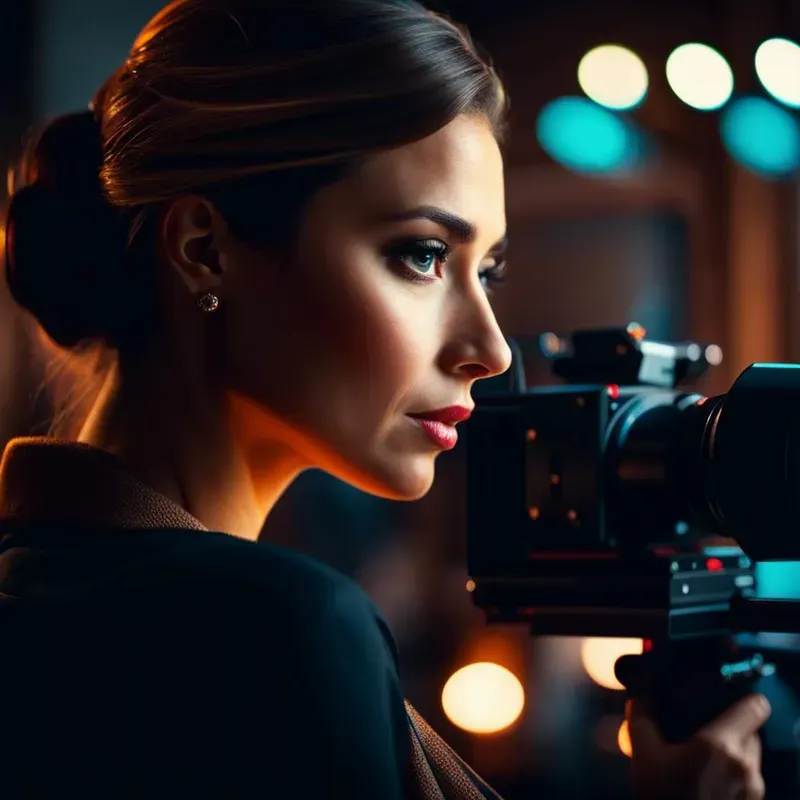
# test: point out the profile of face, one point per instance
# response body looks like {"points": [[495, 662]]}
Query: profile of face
{"points": [[342, 350]]}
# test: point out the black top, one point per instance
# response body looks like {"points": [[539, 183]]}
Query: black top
{"points": [[166, 662]]}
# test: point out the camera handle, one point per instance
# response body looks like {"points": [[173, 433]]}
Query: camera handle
{"points": [[689, 683]]}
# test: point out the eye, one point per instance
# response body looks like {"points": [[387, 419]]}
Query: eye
{"points": [[420, 259], [493, 274]]}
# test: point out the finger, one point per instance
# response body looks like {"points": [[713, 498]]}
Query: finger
{"points": [[753, 787], [732, 772], [756, 789], [730, 776], [752, 752], [738, 722]]}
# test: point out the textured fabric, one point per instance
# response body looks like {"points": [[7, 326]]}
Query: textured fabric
{"points": [[59, 473], [45, 482], [440, 773]]}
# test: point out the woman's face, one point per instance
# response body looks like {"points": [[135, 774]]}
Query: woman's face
{"points": [[381, 316]]}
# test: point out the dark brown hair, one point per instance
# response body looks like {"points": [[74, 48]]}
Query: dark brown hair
{"points": [[256, 104]]}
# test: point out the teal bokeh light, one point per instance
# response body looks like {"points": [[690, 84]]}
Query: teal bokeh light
{"points": [[586, 137], [762, 136], [778, 579]]}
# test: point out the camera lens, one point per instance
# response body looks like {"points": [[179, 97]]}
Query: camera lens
{"points": [[677, 464], [753, 472], [655, 468]]}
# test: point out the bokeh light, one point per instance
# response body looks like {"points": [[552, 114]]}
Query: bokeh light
{"points": [[778, 69], [613, 76], [700, 76], [483, 698], [599, 654], [624, 739], [586, 137], [714, 355], [762, 136]]}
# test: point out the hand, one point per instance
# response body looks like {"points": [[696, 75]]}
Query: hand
{"points": [[722, 761]]}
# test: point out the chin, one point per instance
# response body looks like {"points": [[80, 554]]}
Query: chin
{"points": [[404, 480]]}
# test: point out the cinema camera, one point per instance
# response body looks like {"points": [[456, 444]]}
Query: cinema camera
{"points": [[592, 505]]}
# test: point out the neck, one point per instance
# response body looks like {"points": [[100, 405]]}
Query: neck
{"points": [[191, 444]]}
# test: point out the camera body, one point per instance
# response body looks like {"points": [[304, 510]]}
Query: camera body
{"points": [[590, 505]]}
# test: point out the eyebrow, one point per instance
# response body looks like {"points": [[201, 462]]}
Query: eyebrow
{"points": [[458, 227]]}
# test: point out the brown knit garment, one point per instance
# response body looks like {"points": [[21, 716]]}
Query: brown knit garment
{"points": [[438, 773]]}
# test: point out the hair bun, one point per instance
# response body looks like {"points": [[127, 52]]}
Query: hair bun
{"points": [[65, 244]]}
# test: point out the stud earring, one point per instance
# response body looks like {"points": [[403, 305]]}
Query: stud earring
{"points": [[208, 302]]}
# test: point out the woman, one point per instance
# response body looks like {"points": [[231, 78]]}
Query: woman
{"points": [[281, 219]]}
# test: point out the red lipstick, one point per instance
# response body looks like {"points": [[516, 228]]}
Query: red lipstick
{"points": [[440, 424]]}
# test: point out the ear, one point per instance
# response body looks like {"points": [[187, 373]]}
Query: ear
{"points": [[194, 237]]}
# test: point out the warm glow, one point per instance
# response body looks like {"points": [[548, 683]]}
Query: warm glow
{"points": [[598, 656], [636, 331], [700, 76], [714, 355], [613, 76], [778, 69], [624, 739], [483, 698]]}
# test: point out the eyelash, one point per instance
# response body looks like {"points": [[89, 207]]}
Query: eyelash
{"points": [[490, 276], [421, 247], [494, 275]]}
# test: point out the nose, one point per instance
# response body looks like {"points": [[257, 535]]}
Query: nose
{"points": [[476, 348]]}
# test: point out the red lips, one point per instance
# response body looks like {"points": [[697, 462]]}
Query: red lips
{"points": [[439, 425], [449, 416]]}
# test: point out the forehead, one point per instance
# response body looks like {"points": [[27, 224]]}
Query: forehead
{"points": [[458, 168]]}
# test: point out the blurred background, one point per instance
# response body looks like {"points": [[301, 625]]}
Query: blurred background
{"points": [[652, 175]]}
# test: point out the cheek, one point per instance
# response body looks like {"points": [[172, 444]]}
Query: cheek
{"points": [[366, 336], [334, 348]]}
